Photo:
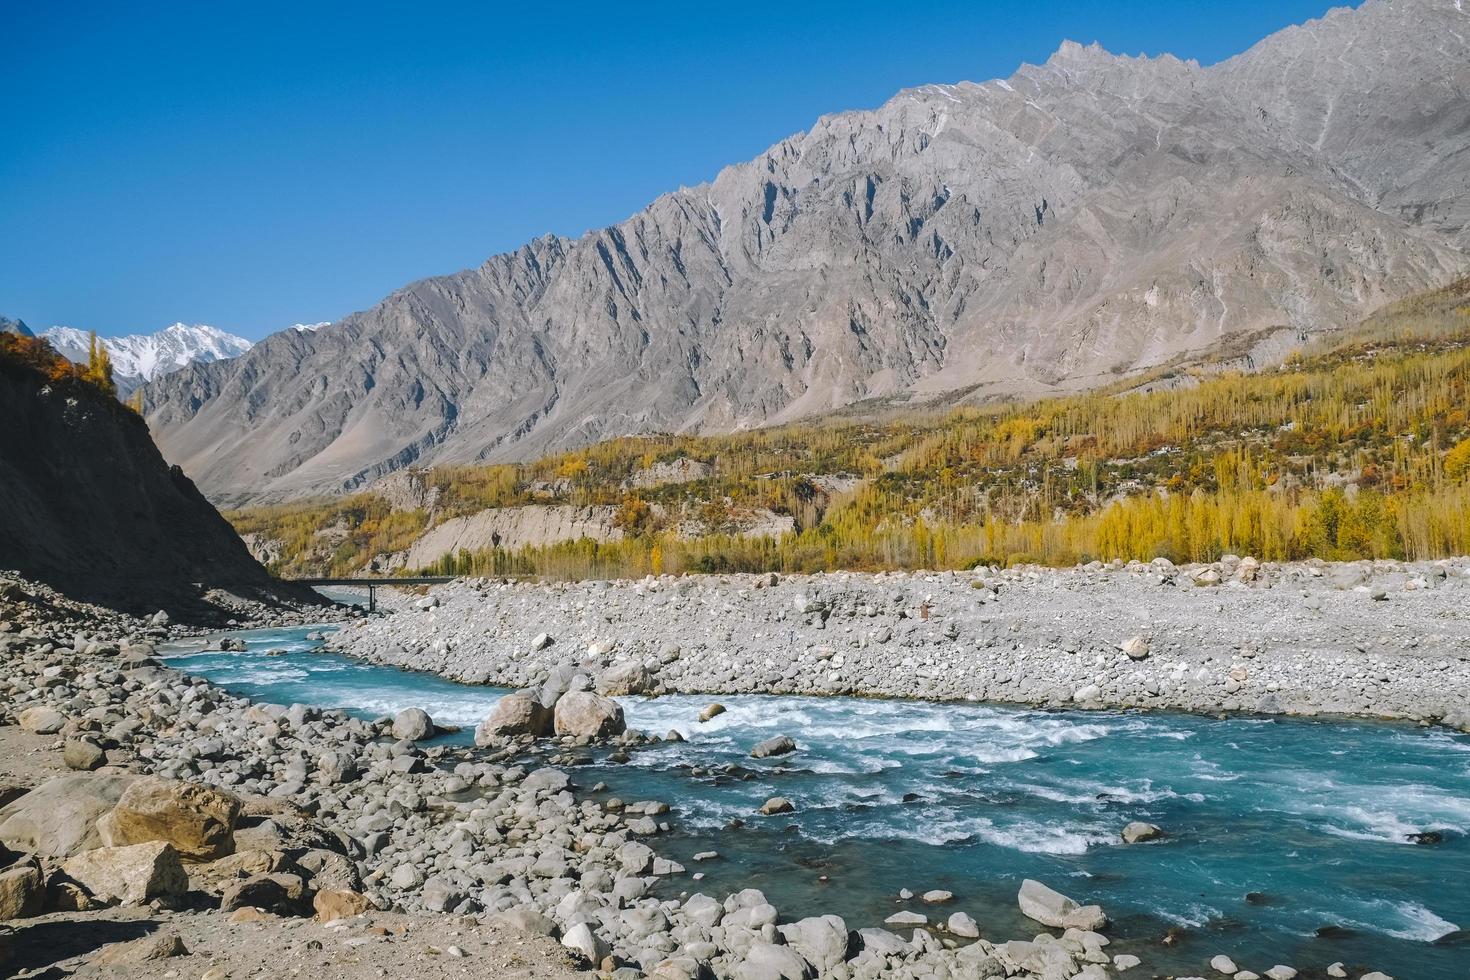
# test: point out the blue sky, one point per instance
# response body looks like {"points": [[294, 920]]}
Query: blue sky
{"points": [[256, 165]]}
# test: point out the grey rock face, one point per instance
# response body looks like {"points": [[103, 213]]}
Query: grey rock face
{"points": [[1087, 218]]}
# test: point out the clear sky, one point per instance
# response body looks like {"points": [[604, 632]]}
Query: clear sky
{"points": [[253, 165]]}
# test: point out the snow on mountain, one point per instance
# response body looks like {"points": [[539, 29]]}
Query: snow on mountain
{"points": [[310, 327], [138, 358]]}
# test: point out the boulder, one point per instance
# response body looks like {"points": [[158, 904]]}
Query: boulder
{"points": [[962, 925], [198, 820], [822, 940], [413, 724], [1138, 831], [524, 918], [335, 768], [515, 714], [59, 817], [149, 949], [582, 940], [132, 875], [283, 894], [22, 890], [339, 903], [1223, 964], [625, 678], [766, 961], [1136, 647], [82, 755], [584, 713], [42, 720], [717, 709], [907, 919], [329, 870], [775, 805], [1052, 908], [780, 745]]}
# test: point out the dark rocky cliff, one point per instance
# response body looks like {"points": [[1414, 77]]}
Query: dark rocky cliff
{"points": [[89, 506]]}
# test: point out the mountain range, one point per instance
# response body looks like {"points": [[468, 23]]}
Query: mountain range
{"points": [[1084, 220], [139, 358]]}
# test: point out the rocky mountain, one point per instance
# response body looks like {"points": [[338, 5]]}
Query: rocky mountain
{"points": [[139, 358], [8, 325], [92, 510], [1083, 220]]}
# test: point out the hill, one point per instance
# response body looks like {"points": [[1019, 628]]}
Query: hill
{"points": [[1084, 221], [91, 508], [1355, 447]]}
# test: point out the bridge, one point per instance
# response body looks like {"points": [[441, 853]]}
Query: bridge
{"points": [[372, 584]]}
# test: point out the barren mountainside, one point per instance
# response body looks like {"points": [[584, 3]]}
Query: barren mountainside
{"points": [[1084, 219]]}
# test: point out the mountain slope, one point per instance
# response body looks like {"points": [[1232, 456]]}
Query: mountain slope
{"points": [[19, 327], [92, 509], [1087, 218], [139, 358]]}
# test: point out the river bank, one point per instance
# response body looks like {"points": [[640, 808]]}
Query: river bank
{"points": [[379, 814], [1364, 639]]}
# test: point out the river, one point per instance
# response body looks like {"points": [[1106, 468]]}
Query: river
{"points": [[1288, 840]]}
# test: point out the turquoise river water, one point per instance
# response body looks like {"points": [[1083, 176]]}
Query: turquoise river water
{"points": [[1288, 839]]}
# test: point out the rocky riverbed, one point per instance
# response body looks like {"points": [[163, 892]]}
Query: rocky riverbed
{"points": [[222, 821], [1373, 639]]}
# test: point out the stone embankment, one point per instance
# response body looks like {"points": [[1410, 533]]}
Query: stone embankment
{"points": [[1373, 639]]}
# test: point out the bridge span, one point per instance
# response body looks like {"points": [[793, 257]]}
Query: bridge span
{"points": [[373, 584]]}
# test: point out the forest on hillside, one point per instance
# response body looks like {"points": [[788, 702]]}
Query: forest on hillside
{"points": [[1357, 447]]}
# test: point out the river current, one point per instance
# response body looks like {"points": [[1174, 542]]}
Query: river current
{"points": [[1289, 841]]}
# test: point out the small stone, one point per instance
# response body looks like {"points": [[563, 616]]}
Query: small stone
{"points": [[1136, 647], [936, 896], [82, 755]]}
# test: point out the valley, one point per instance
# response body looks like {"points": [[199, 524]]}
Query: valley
{"points": [[1010, 530]]}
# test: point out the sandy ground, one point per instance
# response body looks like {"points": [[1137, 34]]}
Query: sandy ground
{"points": [[381, 945]]}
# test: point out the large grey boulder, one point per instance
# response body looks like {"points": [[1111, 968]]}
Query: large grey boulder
{"points": [[625, 679], [822, 940], [1052, 908], [515, 714], [59, 817], [766, 961], [42, 720], [413, 724], [779, 745], [592, 715]]}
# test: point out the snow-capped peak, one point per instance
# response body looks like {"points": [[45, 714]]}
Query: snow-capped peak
{"points": [[310, 327], [142, 357]]}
